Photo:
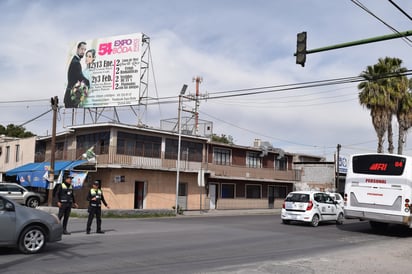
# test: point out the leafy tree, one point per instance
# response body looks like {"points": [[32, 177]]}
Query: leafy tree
{"points": [[15, 131], [385, 94], [222, 139]]}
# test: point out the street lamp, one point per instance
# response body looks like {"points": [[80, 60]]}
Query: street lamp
{"points": [[182, 92]]}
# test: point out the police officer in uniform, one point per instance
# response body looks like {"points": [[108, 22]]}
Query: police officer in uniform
{"points": [[95, 198], [65, 200]]}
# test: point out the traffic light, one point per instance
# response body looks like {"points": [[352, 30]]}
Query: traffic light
{"points": [[301, 48]]}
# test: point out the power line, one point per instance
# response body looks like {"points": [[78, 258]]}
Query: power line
{"points": [[359, 4], [400, 9], [35, 118]]}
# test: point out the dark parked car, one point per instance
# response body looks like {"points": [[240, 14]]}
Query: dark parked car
{"points": [[21, 195], [26, 228]]}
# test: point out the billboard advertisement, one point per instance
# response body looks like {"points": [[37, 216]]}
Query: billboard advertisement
{"points": [[104, 72], [343, 164]]}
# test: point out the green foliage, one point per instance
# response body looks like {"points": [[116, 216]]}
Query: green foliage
{"points": [[385, 93], [15, 131], [222, 139]]}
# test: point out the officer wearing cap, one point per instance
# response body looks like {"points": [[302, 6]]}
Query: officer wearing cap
{"points": [[65, 200], [95, 198]]}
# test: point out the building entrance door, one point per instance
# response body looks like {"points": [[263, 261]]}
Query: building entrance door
{"points": [[212, 196], [271, 196], [139, 194]]}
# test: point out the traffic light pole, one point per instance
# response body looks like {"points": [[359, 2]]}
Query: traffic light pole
{"points": [[361, 42], [364, 41]]}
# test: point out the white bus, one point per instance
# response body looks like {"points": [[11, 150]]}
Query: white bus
{"points": [[378, 188]]}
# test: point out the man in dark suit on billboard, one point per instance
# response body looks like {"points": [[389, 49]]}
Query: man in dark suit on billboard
{"points": [[77, 83]]}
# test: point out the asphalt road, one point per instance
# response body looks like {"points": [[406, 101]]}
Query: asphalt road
{"points": [[218, 244]]}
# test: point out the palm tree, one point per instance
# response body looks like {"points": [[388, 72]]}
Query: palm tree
{"points": [[381, 93], [404, 113]]}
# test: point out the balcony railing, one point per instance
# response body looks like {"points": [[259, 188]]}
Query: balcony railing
{"points": [[229, 171]]}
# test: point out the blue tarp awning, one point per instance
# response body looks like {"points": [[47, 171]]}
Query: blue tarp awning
{"points": [[45, 166], [35, 174]]}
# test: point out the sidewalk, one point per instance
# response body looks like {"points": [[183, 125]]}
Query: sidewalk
{"points": [[231, 212], [200, 213]]}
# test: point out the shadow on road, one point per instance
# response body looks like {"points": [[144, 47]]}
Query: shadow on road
{"points": [[393, 230]]}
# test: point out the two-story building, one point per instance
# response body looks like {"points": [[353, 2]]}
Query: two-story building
{"points": [[138, 168]]}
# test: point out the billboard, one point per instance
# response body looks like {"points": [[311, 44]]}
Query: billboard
{"points": [[104, 72], [343, 164]]}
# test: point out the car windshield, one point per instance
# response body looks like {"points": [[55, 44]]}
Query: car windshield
{"points": [[297, 197]]}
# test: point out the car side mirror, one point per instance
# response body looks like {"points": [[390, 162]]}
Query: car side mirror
{"points": [[9, 206]]}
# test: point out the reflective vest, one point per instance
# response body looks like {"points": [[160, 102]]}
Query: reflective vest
{"points": [[98, 194], [66, 193]]}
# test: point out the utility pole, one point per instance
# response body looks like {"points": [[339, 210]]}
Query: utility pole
{"points": [[179, 129], [198, 80], [337, 167], [55, 105]]}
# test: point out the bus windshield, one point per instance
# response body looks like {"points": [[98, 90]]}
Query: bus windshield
{"points": [[378, 164]]}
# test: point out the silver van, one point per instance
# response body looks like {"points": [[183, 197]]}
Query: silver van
{"points": [[21, 195]]}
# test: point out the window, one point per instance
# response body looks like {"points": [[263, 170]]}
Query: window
{"points": [[59, 150], [378, 164], [182, 189], [100, 141], [253, 191], [221, 156], [17, 153], [139, 145], [40, 151], [281, 163], [7, 159], [189, 151], [228, 191], [280, 191], [253, 159], [297, 197]]}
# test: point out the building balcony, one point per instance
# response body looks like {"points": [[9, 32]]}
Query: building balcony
{"points": [[114, 160]]}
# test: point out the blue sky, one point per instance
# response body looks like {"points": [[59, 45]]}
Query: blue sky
{"points": [[231, 44]]}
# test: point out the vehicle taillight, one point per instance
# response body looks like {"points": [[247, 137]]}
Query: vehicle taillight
{"points": [[310, 205], [283, 205], [407, 203]]}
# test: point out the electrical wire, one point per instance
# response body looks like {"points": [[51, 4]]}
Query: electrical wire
{"points": [[400, 9], [405, 38]]}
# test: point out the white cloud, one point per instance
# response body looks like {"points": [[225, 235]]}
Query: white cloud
{"points": [[232, 44]]}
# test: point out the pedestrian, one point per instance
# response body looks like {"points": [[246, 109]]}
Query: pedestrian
{"points": [[65, 200], [95, 198]]}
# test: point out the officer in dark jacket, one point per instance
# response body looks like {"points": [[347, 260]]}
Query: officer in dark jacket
{"points": [[65, 200], [95, 198]]}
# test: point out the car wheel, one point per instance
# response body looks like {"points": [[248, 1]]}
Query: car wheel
{"points": [[33, 202], [286, 222], [339, 220], [315, 220], [32, 240]]}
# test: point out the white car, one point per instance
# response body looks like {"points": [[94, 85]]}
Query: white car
{"points": [[311, 207], [338, 198]]}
